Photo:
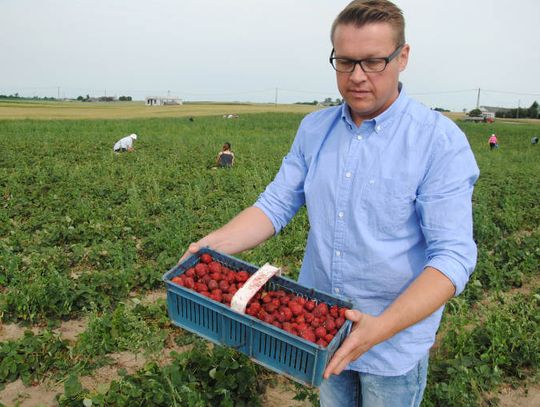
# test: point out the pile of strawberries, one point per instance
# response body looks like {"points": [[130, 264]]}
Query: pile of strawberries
{"points": [[314, 321]]}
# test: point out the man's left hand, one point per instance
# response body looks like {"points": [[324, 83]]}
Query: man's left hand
{"points": [[359, 341]]}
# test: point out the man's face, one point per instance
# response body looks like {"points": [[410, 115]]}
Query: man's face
{"points": [[368, 94]]}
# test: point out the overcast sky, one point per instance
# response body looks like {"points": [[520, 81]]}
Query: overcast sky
{"points": [[255, 50]]}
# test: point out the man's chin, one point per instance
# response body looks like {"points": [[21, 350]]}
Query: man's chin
{"points": [[362, 110]]}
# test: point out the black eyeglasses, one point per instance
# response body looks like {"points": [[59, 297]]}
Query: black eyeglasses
{"points": [[368, 65]]}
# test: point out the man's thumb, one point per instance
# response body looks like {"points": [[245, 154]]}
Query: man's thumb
{"points": [[353, 315]]}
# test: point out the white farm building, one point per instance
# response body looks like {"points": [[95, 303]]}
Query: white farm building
{"points": [[162, 100]]}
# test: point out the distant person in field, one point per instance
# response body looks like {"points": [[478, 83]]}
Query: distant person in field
{"points": [[125, 144], [534, 140], [493, 143], [225, 157]]}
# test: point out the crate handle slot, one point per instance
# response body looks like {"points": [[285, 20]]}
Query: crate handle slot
{"points": [[252, 285]]}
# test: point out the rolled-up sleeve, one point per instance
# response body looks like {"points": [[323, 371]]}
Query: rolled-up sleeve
{"points": [[444, 206], [285, 194]]}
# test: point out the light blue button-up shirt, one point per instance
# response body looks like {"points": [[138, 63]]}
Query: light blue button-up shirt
{"points": [[384, 201]]}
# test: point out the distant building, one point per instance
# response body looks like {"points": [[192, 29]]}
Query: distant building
{"points": [[489, 111], [162, 100]]}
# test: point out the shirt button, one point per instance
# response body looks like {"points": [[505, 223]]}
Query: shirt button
{"points": [[359, 137], [348, 174], [336, 290], [372, 181], [340, 214], [338, 253], [378, 128]]}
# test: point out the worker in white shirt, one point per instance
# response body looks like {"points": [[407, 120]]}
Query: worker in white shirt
{"points": [[125, 144]]}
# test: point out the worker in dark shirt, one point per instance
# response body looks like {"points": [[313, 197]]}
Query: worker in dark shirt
{"points": [[225, 157]]}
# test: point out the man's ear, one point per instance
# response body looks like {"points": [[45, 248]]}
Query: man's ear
{"points": [[404, 57]]}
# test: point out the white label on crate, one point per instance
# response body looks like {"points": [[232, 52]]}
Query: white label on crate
{"points": [[252, 285]]}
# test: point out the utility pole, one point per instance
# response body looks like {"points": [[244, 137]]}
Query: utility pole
{"points": [[275, 100], [58, 93], [517, 112], [478, 99]]}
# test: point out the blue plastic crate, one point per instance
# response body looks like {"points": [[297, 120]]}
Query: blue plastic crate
{"points": [[274, 348]]}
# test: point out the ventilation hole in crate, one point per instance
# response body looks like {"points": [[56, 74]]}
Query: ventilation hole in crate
{"points": [[279, 353], [296, 359], [265, 344], [304, 364], [178, 306], [273, 344]]}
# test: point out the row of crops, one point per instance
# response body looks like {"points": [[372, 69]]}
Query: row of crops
{"points": [[86, 234]]}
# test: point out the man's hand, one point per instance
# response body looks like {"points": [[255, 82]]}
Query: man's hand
{"points": [[359, 341], [192, 249]]}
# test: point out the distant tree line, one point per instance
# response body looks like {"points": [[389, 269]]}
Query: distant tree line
{"points": [[16, 96], [87, 98], [325, 102], [533, 112]]}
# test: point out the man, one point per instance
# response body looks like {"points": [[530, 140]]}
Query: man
{"points": [[125, 144], [387, 184]]}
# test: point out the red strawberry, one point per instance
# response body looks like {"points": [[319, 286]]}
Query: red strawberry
{"points": [[224, 285], [201, 287], [322, 342], [308, 335], [216, 276], [321, 310], [214, 267], [206, 258], [320, 332], [231, 276], [310, 305], [242, 276], [256, 307], [300, 300], [266, 298], [201, 269], [284, 300], [339, 322], [329, 324], [309, 317], [295, 308], [189, 283], [287, 313], [227, 298], [270, 307]]}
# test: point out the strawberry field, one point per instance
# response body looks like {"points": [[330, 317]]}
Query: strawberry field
{"points": [[86, 235]]}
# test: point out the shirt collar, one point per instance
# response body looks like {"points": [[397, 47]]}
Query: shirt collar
{"points": [[381, 121]]}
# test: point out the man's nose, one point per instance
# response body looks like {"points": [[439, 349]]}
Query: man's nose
{"points": [[358, 74]]}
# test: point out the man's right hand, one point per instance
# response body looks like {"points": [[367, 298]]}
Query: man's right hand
{"points": [[192, 249]]}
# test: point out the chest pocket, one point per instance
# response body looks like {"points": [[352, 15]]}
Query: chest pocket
{"points": [[388, 204]]}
